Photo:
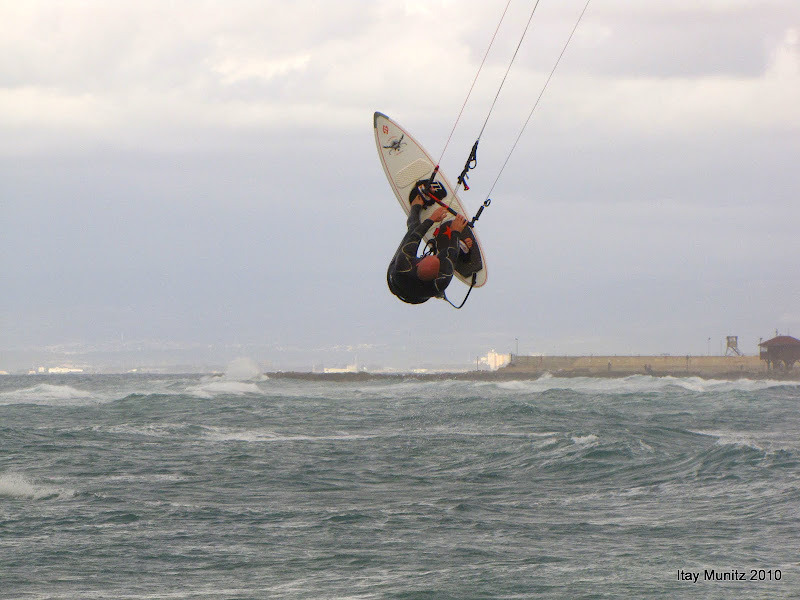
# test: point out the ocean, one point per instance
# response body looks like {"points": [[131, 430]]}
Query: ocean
{"points": [[203, 487]]}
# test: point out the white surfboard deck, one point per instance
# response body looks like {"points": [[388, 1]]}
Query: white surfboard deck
{"points": [[405, 162]]}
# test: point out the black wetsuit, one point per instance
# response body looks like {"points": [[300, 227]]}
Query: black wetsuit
{"points": [[402, 274]]}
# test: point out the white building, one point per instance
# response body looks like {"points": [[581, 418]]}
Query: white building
{"points": [[63, 370], [354, 368], [494, 360]]}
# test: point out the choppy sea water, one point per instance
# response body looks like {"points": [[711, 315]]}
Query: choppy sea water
{"points": [[198, 487]]}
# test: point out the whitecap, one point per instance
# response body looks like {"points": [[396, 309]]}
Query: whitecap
{"points": [[584, 440], [592, 385], [224, 434], [46, 394], [637, 384], [163, 430], [762, 441], [222, 387], [15, 485]]}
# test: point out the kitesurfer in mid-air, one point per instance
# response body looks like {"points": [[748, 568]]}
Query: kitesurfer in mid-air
{"points": [[418, 279]]}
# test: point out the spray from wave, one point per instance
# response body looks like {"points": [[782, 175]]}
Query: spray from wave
{"points": [[241, 377], [244, 369]]}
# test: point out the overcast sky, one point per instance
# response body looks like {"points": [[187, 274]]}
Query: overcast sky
{"points": [[199, 181]]}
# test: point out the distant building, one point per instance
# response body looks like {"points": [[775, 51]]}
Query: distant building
{"points": [[781, 352], [63, 370], [495, 360], [347, 369], [54, 370], [354, 368]]}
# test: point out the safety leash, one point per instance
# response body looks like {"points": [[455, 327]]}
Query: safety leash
{"points": [[464, 301]]}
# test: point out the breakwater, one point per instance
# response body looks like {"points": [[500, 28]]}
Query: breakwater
{"points": [[533, 367], [620, 366]]}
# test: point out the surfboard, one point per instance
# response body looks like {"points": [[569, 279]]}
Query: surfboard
{"points": [[405, 163]]}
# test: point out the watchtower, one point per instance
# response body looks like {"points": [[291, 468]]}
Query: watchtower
{"points": [[733, 346]]}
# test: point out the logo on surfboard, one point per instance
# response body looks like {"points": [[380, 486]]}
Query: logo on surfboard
{"points": [[395, 145]]}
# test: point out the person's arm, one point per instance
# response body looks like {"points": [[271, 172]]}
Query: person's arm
{"points": [[414, 214], [407, 251]]}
